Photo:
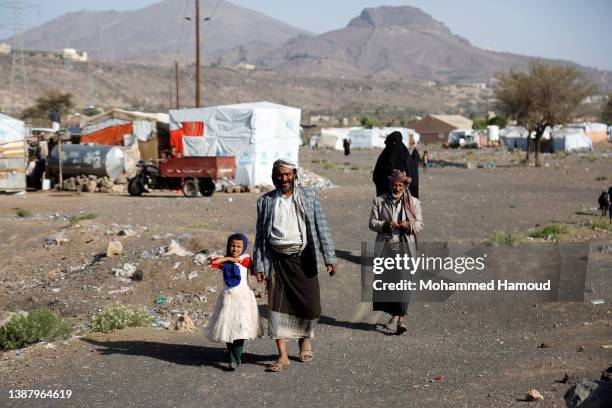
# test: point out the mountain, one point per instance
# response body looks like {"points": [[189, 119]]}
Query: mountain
{"points": [[155, 33], [392, 42]]}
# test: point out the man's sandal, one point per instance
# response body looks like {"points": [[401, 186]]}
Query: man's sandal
{"points": [[277, 366], [306, 354]]}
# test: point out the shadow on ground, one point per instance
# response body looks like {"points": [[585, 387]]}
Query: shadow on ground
{"points": [[183, 354]]}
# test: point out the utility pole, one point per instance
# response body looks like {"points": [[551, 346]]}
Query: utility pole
{"points": [[176, 75], [197, 73]]}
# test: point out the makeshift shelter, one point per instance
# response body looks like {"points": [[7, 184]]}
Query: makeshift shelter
{"points": [[150, 130], [13, 154], [596, 132], [571, 140], [332, 138], [255, 133], [362, 138], [410, 137], [514, 137]]}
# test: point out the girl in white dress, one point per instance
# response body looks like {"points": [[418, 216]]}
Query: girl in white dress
{"points": [[235, 317]]}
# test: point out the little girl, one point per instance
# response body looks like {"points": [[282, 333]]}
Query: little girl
{"points": [[235, 317]]}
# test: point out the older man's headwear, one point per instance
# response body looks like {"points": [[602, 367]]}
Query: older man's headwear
{"points": [[400, 176], [284, 163]]}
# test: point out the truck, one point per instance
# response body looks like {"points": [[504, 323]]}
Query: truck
{"points": [[191, 175]]}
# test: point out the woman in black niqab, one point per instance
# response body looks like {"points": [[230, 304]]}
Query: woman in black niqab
{"points": [[395, 156]]}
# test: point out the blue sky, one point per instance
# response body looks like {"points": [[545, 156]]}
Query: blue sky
{"points": [[579, 31]]}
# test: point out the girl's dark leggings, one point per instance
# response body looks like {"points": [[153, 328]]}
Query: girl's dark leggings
{"points": [[235, 351]]}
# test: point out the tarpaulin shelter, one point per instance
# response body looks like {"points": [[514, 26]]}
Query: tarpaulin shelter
{"points": [[362, 138], [110, 128], [571, 140], [255, 133], [596, 132], [13, 154]]}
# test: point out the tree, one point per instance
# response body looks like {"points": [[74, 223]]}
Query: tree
{"points": [[545, 95], [606, 110], [497, 121], [479, 123], [49, 102], [368, 122]]}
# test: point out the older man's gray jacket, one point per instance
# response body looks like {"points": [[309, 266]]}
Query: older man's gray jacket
{"points": [[318, 232]]}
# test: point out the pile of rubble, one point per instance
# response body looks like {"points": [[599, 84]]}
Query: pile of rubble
{"points": [[310, 179], [88, 184]]}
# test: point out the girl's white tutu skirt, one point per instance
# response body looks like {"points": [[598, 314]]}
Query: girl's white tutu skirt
{"points": [[235, 316]]}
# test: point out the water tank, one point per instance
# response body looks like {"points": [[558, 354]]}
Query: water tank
{"points": [[493, 133], [97, 160]]}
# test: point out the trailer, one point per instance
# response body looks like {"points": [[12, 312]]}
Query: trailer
{"points": [[188, 174]]}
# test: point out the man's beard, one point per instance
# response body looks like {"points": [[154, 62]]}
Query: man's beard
{"points": [[397, 196], [287, 189]]}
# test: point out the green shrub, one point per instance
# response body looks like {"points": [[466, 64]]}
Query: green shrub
{"points": [[22, 212], [120, 316], [512, 238], [39, 325], [199, 225], [601, 223], [601, 178], [551, 232], [73, 219]]}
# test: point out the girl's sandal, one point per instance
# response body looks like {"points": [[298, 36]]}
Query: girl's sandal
{"points": [[277, 366], [306, 354]]}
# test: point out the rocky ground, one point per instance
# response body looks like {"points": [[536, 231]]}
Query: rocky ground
{"points": [[468, 351]]}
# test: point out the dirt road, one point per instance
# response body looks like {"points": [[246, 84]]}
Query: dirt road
{"points": [[466, 352]]}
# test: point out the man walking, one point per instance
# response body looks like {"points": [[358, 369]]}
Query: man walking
{"points": [[291, 227]]}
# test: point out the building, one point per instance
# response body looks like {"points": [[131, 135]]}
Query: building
{"points": [[5, 48], [436, 128], [74, 55]]}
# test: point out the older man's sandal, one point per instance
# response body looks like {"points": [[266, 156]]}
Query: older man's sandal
{"points": [[277, 366]]}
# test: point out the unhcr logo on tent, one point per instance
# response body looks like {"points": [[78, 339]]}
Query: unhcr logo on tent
{"points": [[246, 157]]}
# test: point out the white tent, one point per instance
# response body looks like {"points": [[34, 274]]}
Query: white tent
{"points": [[13, 154], [571, 140], [408, 135], [514, 137], [331, 138], [362, 138], [256, 133]]}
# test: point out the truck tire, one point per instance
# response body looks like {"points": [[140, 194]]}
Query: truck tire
{"points": [[190, 188], [135, 188], [207, 187]]}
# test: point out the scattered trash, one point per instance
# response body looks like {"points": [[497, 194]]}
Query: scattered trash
{"points": [[182, 237], [123, 290], [607, 346], [439, 378], [54, 240], [176, 249], [127, 271], [176, 265], [230, 199], [184, 323], [115, 248], [544, 345], [581, 349], [210, 289], [201, 258], [598, 302], [50, 346], [534, 395], [19, 353], [192, 275], [161, 300], [56, 290]]}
